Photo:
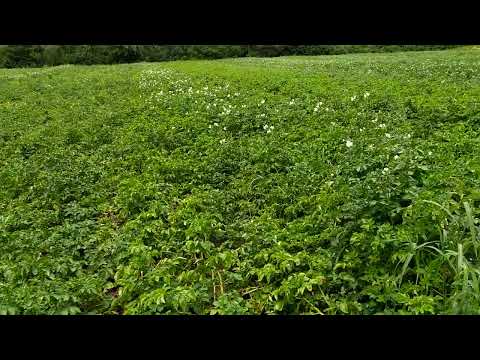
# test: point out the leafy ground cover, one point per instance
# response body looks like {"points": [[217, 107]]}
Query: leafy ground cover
{"points": [[342, 184]]}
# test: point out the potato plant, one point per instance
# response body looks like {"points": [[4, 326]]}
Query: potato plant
{"points": [[344, 184]]}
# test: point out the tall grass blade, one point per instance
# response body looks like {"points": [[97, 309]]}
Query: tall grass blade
{"points": [[471, 225]]}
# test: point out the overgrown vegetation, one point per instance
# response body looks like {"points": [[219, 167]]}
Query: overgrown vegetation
{"points": [[296, 185], [36, 56]]}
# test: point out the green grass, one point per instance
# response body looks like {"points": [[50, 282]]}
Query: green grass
{"points": [[227, 187]]}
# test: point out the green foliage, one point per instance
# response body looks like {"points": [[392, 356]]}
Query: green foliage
{"points": [[293, 185]]}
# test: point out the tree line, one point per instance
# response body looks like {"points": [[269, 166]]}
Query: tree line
{"points": [[12, 56]]}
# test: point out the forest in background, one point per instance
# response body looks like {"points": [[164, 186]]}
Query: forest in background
{"points": [[12, 56]]}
